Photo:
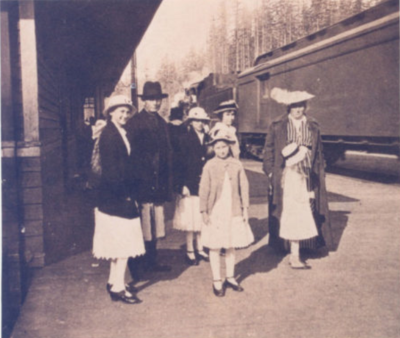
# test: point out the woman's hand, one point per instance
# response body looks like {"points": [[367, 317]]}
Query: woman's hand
{"points": [[206, 218], [245, 215], [185, 191]]}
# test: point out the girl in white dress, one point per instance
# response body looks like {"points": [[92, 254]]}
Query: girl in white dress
{"points": [[190, 160], [226, 112], [224, 202]]}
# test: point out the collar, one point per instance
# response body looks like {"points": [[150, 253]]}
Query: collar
{"points": [[120, 129], [223, 126], [153, 114], [176, 122], [297, 122]]}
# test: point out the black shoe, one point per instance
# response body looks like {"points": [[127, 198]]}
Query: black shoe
{"points": [[191, 261], [121, 296], [219, 293], [128, 287], [235, 287], [200, 257]]}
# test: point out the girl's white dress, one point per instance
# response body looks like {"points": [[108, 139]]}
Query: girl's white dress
{"points": [[117, 237], [187, 215], [297, 221], [225, 231]]}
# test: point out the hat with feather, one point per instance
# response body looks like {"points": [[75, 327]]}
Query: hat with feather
{"points": [[286, 97]]}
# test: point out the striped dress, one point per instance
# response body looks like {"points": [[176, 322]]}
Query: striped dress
{"points": [[297, 221]]}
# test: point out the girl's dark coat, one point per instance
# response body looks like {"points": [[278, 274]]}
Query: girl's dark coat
{"points": [[191, 159], [274, 164], [117, 185]]}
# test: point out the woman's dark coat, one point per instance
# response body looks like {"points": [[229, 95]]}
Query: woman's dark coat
{"points": [[117, 185], [191, 159], [152, 153], [274, 164]]}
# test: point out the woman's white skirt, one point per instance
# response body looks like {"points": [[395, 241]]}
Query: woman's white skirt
{"points": [[117, 237], [297, 221], [225, 231], [187, 215]]}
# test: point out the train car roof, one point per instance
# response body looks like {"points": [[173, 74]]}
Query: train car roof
{"points": [[371, 19]]}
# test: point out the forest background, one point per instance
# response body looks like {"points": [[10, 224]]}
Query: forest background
{"points": [[240, 31]]}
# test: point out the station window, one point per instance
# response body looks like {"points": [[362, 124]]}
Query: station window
{"points": [[88, 109]]}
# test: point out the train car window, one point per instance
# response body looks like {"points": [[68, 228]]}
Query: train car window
{"points": [[264, 85], [264, 90]]}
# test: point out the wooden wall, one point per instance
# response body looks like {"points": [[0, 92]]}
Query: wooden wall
{"points": [[67, 224]]}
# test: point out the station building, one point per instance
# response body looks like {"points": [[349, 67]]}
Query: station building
{"points": [[58, 58]]}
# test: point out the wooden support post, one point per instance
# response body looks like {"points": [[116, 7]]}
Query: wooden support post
{"points": [[29, 71]]}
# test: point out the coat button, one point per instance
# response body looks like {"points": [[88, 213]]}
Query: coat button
{"points": [[203, 158], [128, 199]]}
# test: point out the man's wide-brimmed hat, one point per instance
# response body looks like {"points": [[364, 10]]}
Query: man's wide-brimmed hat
{"points": [[152, 91], [220, 135], [117, 101], [226, 106], [286, 97], [198, 113]]}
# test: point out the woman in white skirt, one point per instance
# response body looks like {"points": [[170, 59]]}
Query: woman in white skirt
{"points": [[297, 220], [118, 233], [294, 163], [190, 162], [224, 202]]}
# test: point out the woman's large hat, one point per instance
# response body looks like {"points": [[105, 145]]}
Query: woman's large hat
{"points": [[226, 106], [152, 91], [287, 98], [117, 101], [198, 113], [220, 135]]}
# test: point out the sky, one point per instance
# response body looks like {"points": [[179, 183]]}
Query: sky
{"points": [[178, 26]]}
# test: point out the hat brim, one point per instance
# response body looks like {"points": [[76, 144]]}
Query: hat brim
{"points": [[217, 112], [212, 142], [153, 97], [130, 106], [198, 119], [290, 150]]}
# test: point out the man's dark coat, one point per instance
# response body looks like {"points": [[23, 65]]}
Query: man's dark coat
{"points": [[152, 153]]}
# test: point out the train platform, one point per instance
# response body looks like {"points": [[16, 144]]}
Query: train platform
{"points": [[352, 291]]}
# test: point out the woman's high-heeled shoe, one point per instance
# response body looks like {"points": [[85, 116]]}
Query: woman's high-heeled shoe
{"points": [[128, 287], [191, 261], [123, 297], [234, 286], [202, 256], [219, 292]]}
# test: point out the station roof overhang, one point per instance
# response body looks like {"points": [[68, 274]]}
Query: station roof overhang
{"points": [[92, 40]]}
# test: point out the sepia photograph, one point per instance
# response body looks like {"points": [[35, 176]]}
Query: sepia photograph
{"points": [[200, 168]]}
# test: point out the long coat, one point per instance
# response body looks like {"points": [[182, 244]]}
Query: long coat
{"points": [[117, 186], [191, 159], [152, 153], [273, 166]]}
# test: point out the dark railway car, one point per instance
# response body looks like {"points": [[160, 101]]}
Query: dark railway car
{"points": [[353, 69]]}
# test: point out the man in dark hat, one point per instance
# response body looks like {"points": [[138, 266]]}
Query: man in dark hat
{"points": [[148, 133]]}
